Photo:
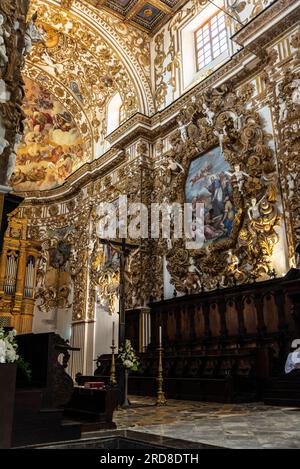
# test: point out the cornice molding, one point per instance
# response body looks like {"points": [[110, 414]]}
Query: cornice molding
{"points": [[284, 12]]}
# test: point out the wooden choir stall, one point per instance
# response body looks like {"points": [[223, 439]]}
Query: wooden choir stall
{"points": [[225, 345]]}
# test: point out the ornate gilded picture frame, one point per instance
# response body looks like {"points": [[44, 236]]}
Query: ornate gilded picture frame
{"points": [[220, 119]]}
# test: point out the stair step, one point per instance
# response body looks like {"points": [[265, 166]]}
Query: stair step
{"points": [[282, 402], [46, 435]]}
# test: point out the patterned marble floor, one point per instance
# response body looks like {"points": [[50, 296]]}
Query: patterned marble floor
{"points": [[227, 425]]}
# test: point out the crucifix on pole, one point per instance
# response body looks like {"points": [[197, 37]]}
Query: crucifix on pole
{"points": [[124, 249]]}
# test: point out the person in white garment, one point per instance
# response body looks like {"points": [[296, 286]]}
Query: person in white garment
{"points": [[293, 359]]}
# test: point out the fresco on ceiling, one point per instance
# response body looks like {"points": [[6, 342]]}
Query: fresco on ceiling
{"points": [[208, 182], [51, 148]]}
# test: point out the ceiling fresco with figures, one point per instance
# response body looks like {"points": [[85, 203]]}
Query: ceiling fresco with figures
{"points": [[51, 147], [71, 73], [149, 15]]}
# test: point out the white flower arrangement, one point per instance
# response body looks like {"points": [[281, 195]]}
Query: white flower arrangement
{"points": [[8, 346], [128, 357]]}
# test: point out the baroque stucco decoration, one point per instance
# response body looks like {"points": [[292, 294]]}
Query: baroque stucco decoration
{"points": [[83, 66], [63, 264], [12, 51], [288, 117], [120, 52], [220, 117]]}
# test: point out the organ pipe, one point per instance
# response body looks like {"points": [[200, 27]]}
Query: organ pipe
{"points": [[18, 266]]}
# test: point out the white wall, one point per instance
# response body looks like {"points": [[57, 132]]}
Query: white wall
{"points": [[103, 331]]}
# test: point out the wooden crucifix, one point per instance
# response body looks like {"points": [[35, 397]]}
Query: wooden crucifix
{"points": [[124, 249]]}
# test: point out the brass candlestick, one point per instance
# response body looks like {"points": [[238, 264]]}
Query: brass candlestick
{"points": [[113, 380], [161, 400]]}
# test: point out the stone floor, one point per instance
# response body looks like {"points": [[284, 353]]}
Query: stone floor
{"points": [[226, 425]]}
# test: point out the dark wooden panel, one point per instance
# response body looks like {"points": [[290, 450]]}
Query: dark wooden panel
{"points": [[7, 395]]}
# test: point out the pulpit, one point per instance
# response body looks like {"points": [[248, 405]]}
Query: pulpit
{"points": [[43, 352], [40, 402]]}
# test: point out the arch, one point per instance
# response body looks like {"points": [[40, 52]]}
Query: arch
{"points": [[124, 42]]}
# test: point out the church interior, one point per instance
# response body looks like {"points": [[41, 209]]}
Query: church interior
{"points": [[150, 224]]}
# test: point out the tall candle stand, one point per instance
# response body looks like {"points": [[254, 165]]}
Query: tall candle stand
{"points": [[161, 400], [113, 379]]}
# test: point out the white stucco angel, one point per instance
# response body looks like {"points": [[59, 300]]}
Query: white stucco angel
{"points": [[296, 91], [221, 135], [11, 165], [209, 114], [282, 109], [253, 210], [41, 270], [3, 55], [32, 34], [193, 277], [239, 175], [3, 144], [4, 93], [170, 166], [174, 165], [182, 128], [238, 121], [54, 68]]}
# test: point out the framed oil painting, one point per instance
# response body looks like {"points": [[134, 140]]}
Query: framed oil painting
{"points": [[209, 182]]}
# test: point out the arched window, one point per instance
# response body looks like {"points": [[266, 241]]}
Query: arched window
{"points": [[114, 113], [211, 40]]}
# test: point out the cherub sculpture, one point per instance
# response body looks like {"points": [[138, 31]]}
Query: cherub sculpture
{"points": [[3, 55], [3, 144], [239, 176], [209, 114], [11, 165], [53, 67], [32, 34], [192, 280], [182, 128], [296, 93], [232, 269], [171, 167], [254, 209], [4, 94], [221, 135], [282, 110]]}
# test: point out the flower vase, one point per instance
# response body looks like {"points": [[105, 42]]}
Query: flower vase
{"points": [[8, 373], [126, 402]]}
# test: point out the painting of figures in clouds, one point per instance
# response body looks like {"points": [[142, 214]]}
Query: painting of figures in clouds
{"points": [[51, 148], [209, 183]]}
